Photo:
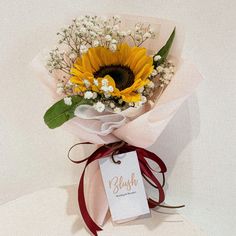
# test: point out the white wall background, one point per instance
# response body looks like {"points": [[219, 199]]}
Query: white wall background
{"points": [[198, 144]]}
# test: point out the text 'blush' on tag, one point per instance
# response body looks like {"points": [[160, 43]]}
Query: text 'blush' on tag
{"points": [[124, 187]]}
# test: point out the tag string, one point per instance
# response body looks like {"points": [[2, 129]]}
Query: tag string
{"points": [[111, 150]]}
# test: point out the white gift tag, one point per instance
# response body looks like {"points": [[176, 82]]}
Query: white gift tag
{"points": [[124, 186]]}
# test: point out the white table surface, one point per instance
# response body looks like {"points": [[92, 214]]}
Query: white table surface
{"points": [[54, 211], [198, 145]]}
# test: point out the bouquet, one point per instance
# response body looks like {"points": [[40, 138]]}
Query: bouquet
{"points": [[116, 82]]}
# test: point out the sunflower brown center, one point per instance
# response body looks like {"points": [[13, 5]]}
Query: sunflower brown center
{"points": [[122, 75]]}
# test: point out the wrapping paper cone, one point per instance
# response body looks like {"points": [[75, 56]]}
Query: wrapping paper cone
{"points": [[154, 119]]}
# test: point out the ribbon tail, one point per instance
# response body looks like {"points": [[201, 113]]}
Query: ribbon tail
{"points": [[145, 171], [152, 156], [110, 150]]}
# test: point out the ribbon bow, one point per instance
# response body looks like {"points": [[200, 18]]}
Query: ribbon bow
{"points": [[146, 171]]}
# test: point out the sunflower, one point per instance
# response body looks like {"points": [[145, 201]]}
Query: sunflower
{"points": [[118, 74]]}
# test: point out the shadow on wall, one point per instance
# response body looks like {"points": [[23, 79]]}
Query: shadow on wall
{"points": [[180, 132], [73, 208]]}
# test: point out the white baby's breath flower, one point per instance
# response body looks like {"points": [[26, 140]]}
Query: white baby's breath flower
{"points": [[117, 18], [89, 24], [154, 72], [105, 88], [137, 104], [167, 77], [167, 70], [99, 106], [95, 95], [159, 69], [69, 84], [93, 34], [129, 32], [95, 43], [151, 85], [138, 37], [117, 110], [112, 47], [166, 82], [140, 90], [83, 49], [95, 81], [83, 30], [151, 30], [96, 28], [137, 27], [172, 70], [122, 33], [143, 99], [113, 41], [59, 85], [157, 58], [112, 105], [147, 35], [108, 38], [120, 101], [72, 56], [108, 27], [104, 82], [68, 101], [86, 83], [60, 90], [110, 89], [88, 95]]}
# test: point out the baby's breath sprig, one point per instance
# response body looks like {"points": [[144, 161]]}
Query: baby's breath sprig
{"points": [[159, 79], [59, 61], [141, 34], [165, 72], [92, 31]]}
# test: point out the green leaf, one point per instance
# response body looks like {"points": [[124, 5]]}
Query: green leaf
{"points": [[59, 113], [163, 52]]}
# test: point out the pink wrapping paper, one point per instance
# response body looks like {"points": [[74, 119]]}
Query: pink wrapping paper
{"points": [[155, 119]]}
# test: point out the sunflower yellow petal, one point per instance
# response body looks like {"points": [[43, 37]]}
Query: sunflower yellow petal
{"points": [[124, 51], [144, 72], [76, 80], [94, 60], [133, 97], [141, 63], [131, 55], [80, 89], [86, 63], [139, 54], [76, 72], [135, 58]]}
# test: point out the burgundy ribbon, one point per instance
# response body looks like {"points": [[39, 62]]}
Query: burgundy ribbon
{"points": [[146, 170]]}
